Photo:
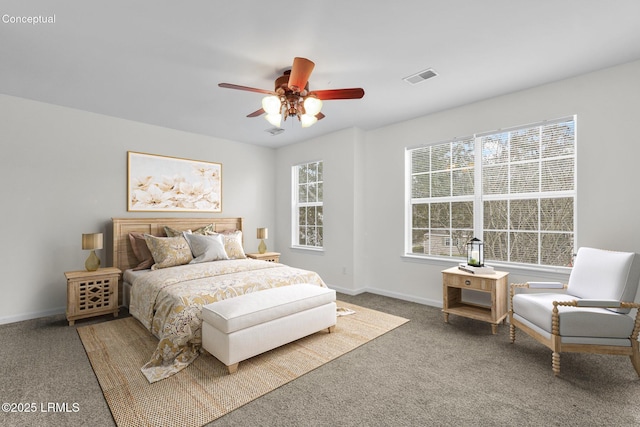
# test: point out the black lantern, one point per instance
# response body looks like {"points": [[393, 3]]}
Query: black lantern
{"points": [[475, 253]]}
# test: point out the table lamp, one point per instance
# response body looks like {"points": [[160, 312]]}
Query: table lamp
{"points": [[262, 234], [91, 242]]}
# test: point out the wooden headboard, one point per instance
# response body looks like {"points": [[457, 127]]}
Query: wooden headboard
{"points": [[123, 256]]}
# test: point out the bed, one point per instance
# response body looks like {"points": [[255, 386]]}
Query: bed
{"points": [[168, 301]]}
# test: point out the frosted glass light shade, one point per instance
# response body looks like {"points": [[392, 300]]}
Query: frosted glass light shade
{"points": [[312, 105], [306, 120], [274, 119], [271, 104]]}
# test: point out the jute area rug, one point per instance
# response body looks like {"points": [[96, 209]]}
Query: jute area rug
{"points": [[204, 391]]}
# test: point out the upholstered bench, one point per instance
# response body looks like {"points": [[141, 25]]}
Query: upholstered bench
{"points": [[238, 328]]}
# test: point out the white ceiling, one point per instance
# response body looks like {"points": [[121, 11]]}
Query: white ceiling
{"points": [[159, 62]]}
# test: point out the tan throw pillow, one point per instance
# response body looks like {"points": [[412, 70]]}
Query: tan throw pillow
{"points": [[141, 251], [172, 232], [233, 245], [168, 251]]}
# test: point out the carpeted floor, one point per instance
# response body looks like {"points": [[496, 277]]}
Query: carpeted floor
{"points": [[205, 391], [423, 373]]}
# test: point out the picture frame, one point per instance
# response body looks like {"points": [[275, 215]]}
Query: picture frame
{"points": [[157, 183]]}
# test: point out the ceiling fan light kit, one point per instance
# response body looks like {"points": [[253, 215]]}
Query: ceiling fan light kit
{"points": [[292, 98]]}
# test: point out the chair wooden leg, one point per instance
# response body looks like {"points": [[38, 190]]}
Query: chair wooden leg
{"points": [[233, 368], [512, 333], [555, 363], [330, 329], [635, 356]]}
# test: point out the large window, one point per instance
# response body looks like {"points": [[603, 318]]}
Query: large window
{"points": [[513, 189], [307, 205]]}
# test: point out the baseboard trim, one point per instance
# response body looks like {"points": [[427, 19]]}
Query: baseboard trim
{"points": [[384, 293], [31, 316], [351, 292]]}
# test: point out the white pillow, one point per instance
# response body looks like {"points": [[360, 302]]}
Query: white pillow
{"points": [[206, 248]]}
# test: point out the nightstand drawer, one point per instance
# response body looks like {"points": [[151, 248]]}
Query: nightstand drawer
{"points": [[468, 282]]}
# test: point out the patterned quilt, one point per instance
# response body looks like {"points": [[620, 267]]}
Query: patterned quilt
{"points": [[169, 302]]}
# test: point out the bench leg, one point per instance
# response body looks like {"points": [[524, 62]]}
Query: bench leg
{"points": [[331, 328], [233, 368]]}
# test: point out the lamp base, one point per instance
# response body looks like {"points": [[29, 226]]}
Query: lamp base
{"points": [[262, 247], [93, 262]]}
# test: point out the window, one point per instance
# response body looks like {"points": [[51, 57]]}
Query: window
{"points": [[308, 205], [513, 189]]}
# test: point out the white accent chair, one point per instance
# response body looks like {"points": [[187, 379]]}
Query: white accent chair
{"points": [[591, 315]]}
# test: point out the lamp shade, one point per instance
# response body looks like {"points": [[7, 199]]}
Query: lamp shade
{"points": [[262, 233], [92, 241], [306, 120], [274, 119], [271, 104], [312, 105]]}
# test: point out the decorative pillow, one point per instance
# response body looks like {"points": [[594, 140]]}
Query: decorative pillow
{"points": [[233, 244], [168, 251], [206, 248], [141, 251], [172, 232]]}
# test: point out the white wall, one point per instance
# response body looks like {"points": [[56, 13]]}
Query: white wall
{"points": [[64, 173], [338, 152], [607, 107]]}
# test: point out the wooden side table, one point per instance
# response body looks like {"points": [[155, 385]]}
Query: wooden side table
{"points": [[92, 293], [267, 256], [455, 280]]}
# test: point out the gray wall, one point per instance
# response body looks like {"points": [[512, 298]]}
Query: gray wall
{"points": [[64, 173]]}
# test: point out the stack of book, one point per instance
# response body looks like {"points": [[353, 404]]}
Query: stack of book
{"points": [[476, 270]]}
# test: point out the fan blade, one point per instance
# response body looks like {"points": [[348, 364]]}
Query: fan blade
{"points": [[247, 88], [257, 113], [352, 93], [300, 73], [320, 116]]}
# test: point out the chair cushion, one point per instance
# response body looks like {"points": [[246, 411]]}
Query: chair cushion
{"points": [[607, 275], [574, 321], [251, 309]]}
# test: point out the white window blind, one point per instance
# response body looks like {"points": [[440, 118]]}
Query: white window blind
{"points": [[524, 209]]}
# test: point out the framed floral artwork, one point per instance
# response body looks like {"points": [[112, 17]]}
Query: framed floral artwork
{"points": [[171, 184]]}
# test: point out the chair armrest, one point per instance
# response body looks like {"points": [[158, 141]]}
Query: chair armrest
{"points": [[598, 303], [546, 285], [602, 303]]}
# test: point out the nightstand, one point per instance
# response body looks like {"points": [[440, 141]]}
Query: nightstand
{"points": [[92, 293], [455, 280], [267, 256]]}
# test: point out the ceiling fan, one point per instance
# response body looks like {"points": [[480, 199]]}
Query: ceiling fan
{"points": [[292, 97]]}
